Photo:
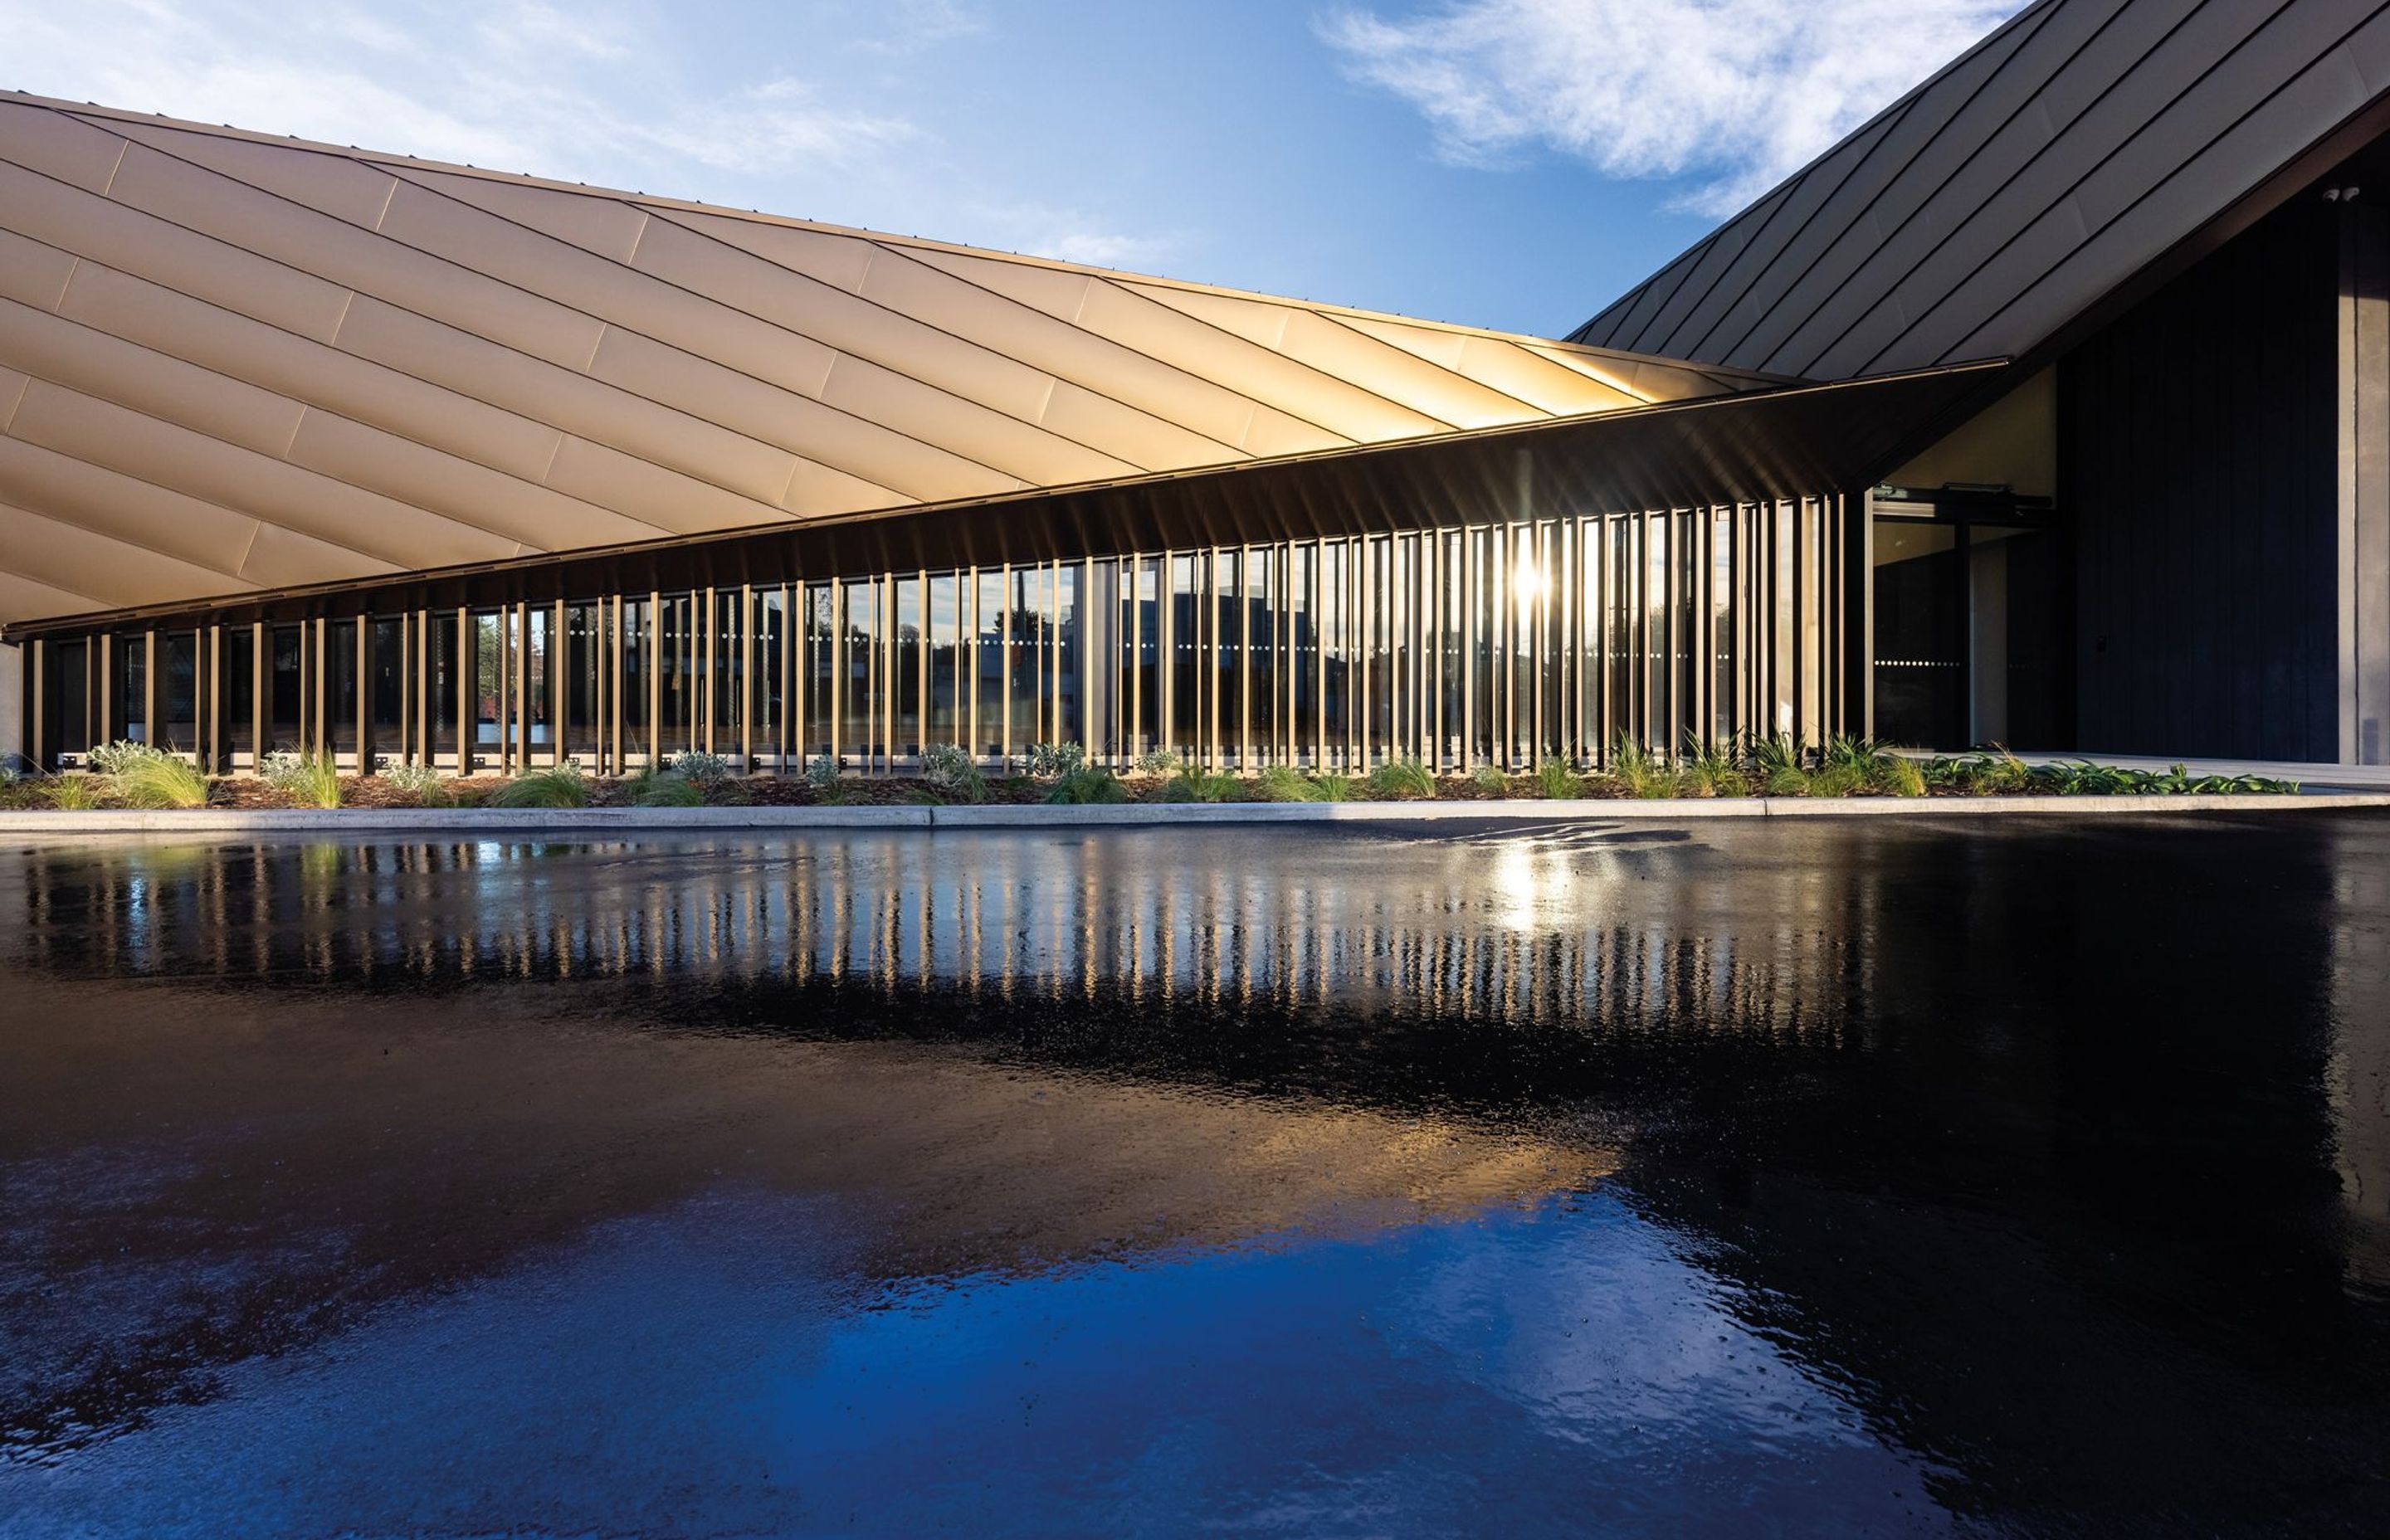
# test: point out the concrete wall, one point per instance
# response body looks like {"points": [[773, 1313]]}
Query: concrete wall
{"points": [[2363, 326]]}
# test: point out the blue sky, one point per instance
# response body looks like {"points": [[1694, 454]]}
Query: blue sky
{"points": [[1511, 164]]}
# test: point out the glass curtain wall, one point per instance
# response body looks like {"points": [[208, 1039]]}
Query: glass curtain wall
{"points": [[1503, 644]]}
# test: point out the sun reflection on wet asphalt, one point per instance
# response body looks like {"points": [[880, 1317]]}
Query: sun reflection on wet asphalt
{"points": [[1845, 1177]]}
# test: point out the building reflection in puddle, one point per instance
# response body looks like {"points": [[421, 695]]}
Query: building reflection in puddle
{"points": [[1896, 1174]]}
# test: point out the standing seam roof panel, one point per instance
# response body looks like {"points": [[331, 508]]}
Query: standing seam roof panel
{"points": [[2012, 221]]}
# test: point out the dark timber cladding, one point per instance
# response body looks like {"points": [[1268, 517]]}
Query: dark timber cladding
{"points": [[2004, 200], [2197, 440]]}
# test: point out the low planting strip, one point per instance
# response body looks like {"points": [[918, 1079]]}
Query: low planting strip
{"points": [[442, 822]]}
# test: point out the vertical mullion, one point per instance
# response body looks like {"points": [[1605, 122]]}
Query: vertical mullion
{"points": [[1638, 675], [213, 673], [1361, 652], [36, 739], [702, 642], [1052, 672], [149, 686], [318, 649], [1245, 657], [1133, 741], [887, 672], [748, 633], [834, 709], [257, 675], [465, 671], [1435, 587], [560, 684], [1207, 661], [364, 692], [406, 699], [1470, 562], [1005, 641], [1498, 646], [610, 648], [518, 682], [1668, 732], [790, 733], [1319, 653], [1165, 642], [419, 720], [1801, 615], [1560, 630], [655, 653], [1536, 618], [967, 661]]}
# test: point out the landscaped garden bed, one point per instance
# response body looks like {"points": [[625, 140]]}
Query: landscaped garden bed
{"points": [[133, 776]]}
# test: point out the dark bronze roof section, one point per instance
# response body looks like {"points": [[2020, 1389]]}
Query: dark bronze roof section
{"points": [[230, 361], [1799, 441], [2068, 163]]}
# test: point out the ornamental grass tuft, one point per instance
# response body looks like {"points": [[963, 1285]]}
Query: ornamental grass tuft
{"points": [[1087, 784], [1710, 770], [1283, 783], [1639, 770], [161, 780], [1331, 786], [553, 786], [1556, 781], [653, 787], [311, 780], [1400, 779], [74, 794], [1192, 785]]}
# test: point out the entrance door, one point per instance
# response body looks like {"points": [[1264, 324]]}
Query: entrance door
{"points": [[1971, 633]]}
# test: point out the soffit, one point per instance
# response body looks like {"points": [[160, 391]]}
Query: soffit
{"points": [[1753, 446]]}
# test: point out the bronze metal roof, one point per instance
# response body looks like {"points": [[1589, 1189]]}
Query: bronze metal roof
{"points": [[233, 363]]}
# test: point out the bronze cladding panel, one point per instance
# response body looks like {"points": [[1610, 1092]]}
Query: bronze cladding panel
{"points": [[244, 362]]}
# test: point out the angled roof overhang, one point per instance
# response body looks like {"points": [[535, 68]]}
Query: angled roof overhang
{"points": [[232, 362], [1787, 442], [2078, 156]]}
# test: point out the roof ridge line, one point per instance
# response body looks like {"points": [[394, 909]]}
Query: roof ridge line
{"points": [[583, 189]]}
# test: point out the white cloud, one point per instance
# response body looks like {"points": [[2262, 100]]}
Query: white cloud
{"points": [[914, 25], [1734, 94], [1069, 235], [591, 93], [829, 112]]}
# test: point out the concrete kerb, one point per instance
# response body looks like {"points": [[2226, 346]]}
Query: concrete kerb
{"points": [[438, 823]]}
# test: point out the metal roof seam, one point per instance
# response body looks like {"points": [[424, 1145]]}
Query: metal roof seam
{"points": [[1831, 242], [2075, 187], [294, 466], [364, 362], [545, 298]]}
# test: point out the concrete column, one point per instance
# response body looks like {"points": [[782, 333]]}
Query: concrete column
{"points": [[2364, 486]]}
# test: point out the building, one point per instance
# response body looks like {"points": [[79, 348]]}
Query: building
{"points": [[2047, 408]]}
